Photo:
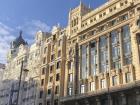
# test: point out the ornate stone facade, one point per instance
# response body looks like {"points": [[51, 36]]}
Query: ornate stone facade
{"points": [[95, 60]]}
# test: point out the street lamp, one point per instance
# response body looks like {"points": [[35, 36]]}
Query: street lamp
{"points": [[19, 85]]}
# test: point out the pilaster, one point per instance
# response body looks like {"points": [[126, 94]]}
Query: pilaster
{"points": [[135, 53], [98, 56], [109, 52], [121, 47]]}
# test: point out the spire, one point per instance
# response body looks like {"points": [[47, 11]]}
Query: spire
{"points": [[20, 33], [19, 40]]}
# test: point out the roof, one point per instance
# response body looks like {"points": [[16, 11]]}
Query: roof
{"points": [[19, 40]]}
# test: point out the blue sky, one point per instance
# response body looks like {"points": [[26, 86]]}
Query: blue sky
{"points": [[33, 15]]}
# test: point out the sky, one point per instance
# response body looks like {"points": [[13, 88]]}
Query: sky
{"points": [[31, 16]]}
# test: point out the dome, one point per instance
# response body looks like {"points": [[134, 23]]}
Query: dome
{"points": [[18, 41]]}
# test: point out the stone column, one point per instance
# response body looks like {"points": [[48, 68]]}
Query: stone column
{"points": [[121, 47], [123, 99], [80, 61], [89, 58], [98, 58], [135, 52]]}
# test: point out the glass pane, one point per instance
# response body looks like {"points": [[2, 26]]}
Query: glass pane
{"points": [[85, 67], [93, 58]]}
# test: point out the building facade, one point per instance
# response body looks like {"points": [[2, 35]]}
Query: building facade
{"points": [[95, 60], [103, 68]]}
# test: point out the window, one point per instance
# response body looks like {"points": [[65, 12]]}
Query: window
{"points": [[115, 50], [110, 10], [52, 47], [113, 22], [59, 53], [49, 91], [138, 23], [54, 37], [116, 65], [121, 4], [100, 15], [114, 80], [127, 48], [44, 60], [93, 32], [52, 57], [59, 42], [91, 20], [43, 71], [57, 77], [56, 89], [69, 65], [51, 68], [70, 77], [124, 17], [92, 86], [126, 44], [103, 54], [45, 50], [114, 37], [93, 54], [84, 62], [103, 84], [126, 32], [42, 82], [58, 65], [102, 28], [127, 60], [51, 79], [70, 91], [41, 94], [82, 89], [128, 77]]}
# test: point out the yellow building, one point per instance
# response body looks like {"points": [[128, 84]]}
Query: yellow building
{"points": [[101, 60], [95, 60]]}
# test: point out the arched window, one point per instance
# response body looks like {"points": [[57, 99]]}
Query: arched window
{"points": [[138, 23]]}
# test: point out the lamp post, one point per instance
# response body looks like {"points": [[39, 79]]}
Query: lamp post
{"points": [[108, 91], [19, 85]]}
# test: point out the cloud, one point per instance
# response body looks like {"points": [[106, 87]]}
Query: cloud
{"points": [[5, 38], [31, 27]]}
